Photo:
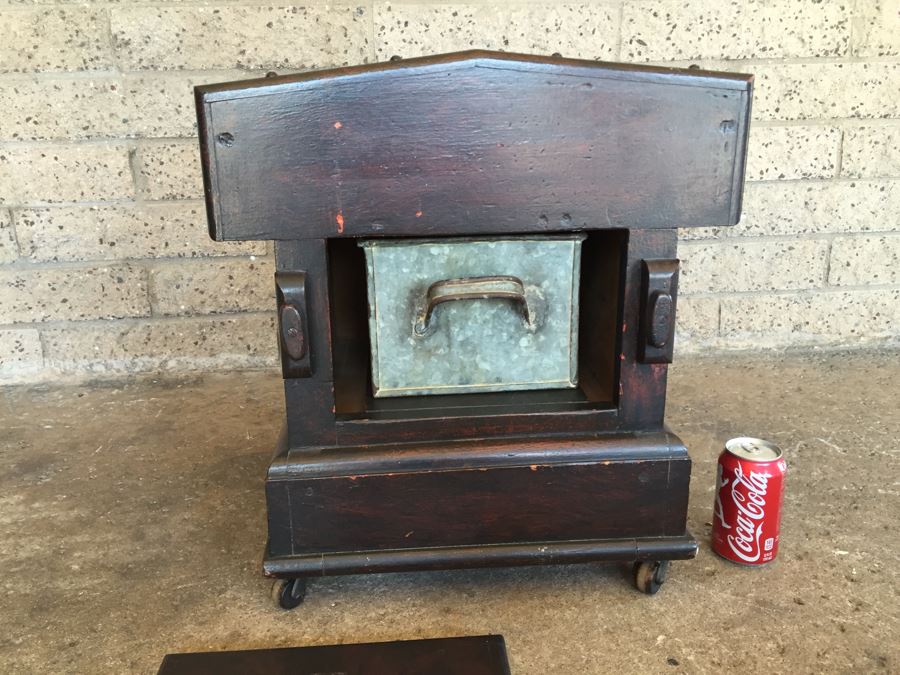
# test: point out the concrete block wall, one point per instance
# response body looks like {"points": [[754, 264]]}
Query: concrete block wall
{"points": [[106, 268]]}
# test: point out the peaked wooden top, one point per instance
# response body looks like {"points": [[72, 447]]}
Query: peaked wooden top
{"points": [[472, 143]]}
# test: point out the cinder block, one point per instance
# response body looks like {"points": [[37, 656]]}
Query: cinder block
{"points": [[21, 356], [104, 106], [154, 345], [240, 37], [212, 286], [113, 232], [53, 39], [777, 153], [65, 173], [62, 294], [802, 91], [800, 207], [877, 30], [802, 319], [171, 170], [693, 233], [716, 267], [8, 249], [871, 151], [586, 31], [697, 318], [672, 29], [865, 260]]}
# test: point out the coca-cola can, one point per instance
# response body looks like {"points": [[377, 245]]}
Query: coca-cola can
{"points": [[749, 492]]}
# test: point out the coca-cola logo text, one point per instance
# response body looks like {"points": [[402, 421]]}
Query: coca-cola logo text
{"points": [[749, 496]]}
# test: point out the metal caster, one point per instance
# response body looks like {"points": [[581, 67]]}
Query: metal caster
{"points": [[649, 575], [288, 593]]}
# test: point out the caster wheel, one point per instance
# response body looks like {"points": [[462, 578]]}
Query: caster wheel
{"points": [[649, 575], [288, 593]]}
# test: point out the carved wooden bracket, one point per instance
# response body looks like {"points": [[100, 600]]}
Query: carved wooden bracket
{"points": [[293, 324], [659, 289]]}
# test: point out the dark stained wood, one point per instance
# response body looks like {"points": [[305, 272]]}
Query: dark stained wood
{"points": [[492, 505], [475, 655], [681, 547], [452, 423], [310, 400], [475, 454], [479, 493], [349, 326], [473, 143], [642, 386], [310, 412], [604, 256]]}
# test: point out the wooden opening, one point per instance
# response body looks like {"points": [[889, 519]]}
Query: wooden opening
{"points": [[600, 318]]}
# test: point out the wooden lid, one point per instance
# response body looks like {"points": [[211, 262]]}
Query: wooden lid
{"points": [[473, 143]]}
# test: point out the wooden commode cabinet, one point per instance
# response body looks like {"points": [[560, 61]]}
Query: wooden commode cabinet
{"points": [[477, 285]]}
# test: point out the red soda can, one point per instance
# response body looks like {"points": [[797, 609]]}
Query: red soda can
{"points": [[749, 492]]}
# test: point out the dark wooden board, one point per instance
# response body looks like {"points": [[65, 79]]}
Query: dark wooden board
{"points": [[642, 386], [427, 455], [621, 549], [477, 493], [476, 655], [475, 142]]}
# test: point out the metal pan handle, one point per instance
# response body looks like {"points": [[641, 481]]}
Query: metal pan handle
{"points": [[472, 288]]}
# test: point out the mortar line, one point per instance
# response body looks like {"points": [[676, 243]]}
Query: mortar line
{"points": [[6, 5], [853, 38], [145, 274], [839, 163], [719, 317], [113, 52], [119, 201], [786, 292], [14, 233], [134, 159], [134, 320], [836, 122], [24, 264], [826, 281], [199, 201], [185, 73], [825, 179], [724, 62], [744, 239], [42, 341], [620, 12], [373, 47], [260, 71], [824, 343]]}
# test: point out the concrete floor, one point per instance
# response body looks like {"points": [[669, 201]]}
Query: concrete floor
{"points": [[132, 523]]}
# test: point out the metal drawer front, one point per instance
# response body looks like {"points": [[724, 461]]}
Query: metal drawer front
{"points": [[457, 316]]}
